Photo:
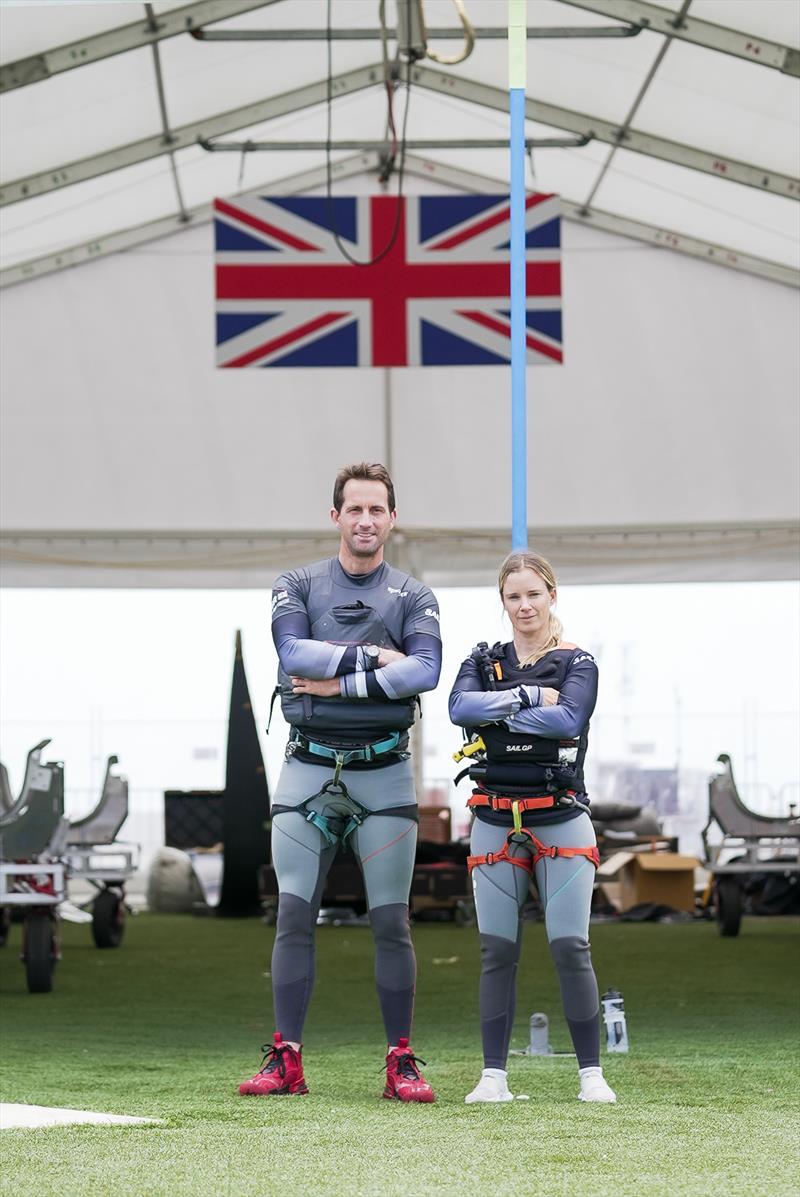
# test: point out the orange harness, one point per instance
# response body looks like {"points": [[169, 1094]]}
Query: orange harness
{"points": [[519, 834], [542, 802]]}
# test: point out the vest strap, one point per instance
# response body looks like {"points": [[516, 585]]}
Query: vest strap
{"points": [[275, 694]]}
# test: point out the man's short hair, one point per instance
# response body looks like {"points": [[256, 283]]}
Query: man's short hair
{"points": [[363, 471]]}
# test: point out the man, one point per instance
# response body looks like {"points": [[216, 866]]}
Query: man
{"points": [[357, 641]]}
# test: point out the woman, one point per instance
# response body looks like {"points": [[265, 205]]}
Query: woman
{"points": [[531, 700]]}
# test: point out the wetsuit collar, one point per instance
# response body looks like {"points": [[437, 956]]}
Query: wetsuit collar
{"points": [[373, 578]]}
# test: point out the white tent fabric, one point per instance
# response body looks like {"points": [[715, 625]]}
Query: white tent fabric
{"points": [[665, 448], [124, 427]]}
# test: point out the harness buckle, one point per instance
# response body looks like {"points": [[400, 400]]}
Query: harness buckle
{"points": [[337, 772], [321, 823], [353, 823]]}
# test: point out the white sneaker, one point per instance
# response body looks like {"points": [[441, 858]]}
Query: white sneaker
{"points": [[594, 1087], [493, 1086]]}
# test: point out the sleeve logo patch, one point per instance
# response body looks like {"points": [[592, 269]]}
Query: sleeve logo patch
{"points": [[584, 657], [433, 614], [278, 597]]}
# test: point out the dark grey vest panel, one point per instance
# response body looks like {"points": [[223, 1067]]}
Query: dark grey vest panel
{"points": [[343, 612]]}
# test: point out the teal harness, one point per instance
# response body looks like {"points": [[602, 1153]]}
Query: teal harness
{"points": [[344, 756], [336, 829]]}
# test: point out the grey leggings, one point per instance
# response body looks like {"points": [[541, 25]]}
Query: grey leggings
{"points": [[384, 846], [565, 888]]}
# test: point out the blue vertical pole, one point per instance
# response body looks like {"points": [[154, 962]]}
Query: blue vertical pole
{"points": [[517, 49]]}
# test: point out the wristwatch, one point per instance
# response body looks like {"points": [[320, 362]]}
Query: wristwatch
{"points": [[371, 656]]}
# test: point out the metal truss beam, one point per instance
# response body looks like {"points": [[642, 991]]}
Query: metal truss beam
{"points": [[448, 33], [439, 556], [700, 33], [165, 226], [694, 247], [162, 107], [188, 135], [634, 108], [117, 41], [623, 226], [580, 123], [448, 84], [380, 146], [423, 168]]}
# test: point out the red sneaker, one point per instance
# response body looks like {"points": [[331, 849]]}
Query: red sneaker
{"points": [[281, 1072], [404, 1081]]}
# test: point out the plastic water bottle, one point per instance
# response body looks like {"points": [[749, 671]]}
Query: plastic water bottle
{"points": [[539, 1042], [614, 1018]]}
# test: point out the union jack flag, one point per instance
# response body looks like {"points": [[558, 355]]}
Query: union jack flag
{"points": [[287, 296]]}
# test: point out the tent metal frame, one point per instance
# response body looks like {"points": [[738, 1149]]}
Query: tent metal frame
{"points": [[635, 16], [162, 107], [214, 125], [441, 33], [121, 39], [424, 168], [760, 551], [348, 82], [381, 146], [710, 36], [624, 128], [638, 141]]}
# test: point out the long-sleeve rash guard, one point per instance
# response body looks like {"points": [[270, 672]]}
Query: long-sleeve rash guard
{"points": [[323, 618], [471, 705], [300, 656]]}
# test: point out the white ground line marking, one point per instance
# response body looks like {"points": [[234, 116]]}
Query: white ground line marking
{"points": [[12, 1115]]}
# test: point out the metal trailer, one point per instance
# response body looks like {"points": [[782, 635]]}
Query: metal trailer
{"points": [[437, 888], [93, 854], [755, 838], [32, 877]]}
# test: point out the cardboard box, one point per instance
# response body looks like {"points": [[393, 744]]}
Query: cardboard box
{"points": [[666, 878], [434, 824]]}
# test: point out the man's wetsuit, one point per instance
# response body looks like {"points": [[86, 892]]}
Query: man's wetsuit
{"points": [[322, 619], [509, 719]]}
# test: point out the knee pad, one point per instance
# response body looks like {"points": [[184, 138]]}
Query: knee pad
{"points": [[571, 954], [293, 955], [390, 924], [497, 952], [573, 962], [294, 917]]}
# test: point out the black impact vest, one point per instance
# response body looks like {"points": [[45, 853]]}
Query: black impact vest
{"points": [[525, 760], [341, 719]]}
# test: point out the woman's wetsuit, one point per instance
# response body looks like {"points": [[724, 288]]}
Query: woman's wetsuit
{"points": [[516, 729]]}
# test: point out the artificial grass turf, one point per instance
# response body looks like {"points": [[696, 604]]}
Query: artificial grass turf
{"points": [[168, 1025]]}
